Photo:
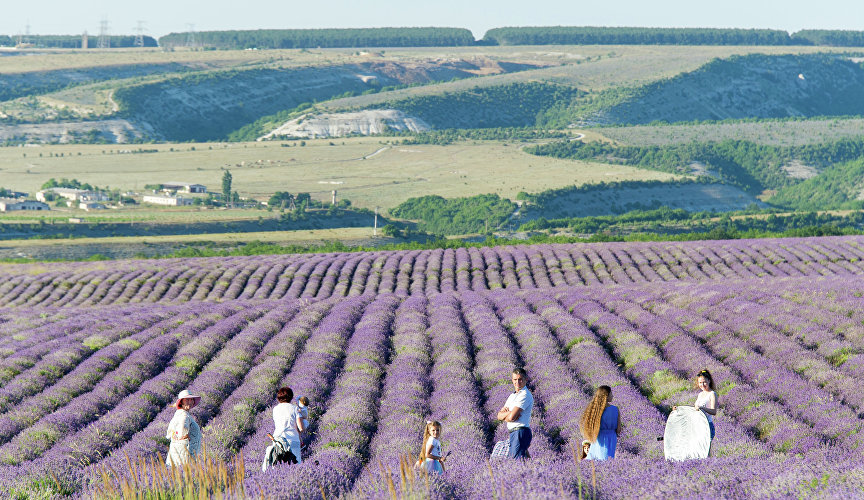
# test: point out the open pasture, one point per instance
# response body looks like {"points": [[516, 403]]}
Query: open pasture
{"points": [[368, 171], [778, 324]]}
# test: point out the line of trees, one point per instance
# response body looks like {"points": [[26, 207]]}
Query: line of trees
{"points": [[324, 38], [585, 35], [74, 41]]}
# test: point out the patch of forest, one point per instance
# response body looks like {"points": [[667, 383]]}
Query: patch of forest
{"points": [[840, 186], [438, 215], [511, 105], [325, 38]]}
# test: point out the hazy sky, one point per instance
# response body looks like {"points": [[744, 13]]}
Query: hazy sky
{"points": [[163, 16]]}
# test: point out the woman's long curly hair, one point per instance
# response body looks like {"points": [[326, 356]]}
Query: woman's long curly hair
{"points": [[590, 424]]}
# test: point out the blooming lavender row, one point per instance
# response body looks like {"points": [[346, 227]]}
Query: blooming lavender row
{"points": [[738, 366], [216, 380], [66, 355], [349, 415], [136, 410], [431, 271], [404, 404], [227, 432], [668, 385], [313, 372], [744, 321], [496, 357], [592, 365], [109, 371], [802, 398]]}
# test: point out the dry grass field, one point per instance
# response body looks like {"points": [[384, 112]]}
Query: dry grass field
{"points": [[368, 171], [588, 67], [778, 133]]}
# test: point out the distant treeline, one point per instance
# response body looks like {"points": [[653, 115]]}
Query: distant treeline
{"points": [[584, 35], [446, 37], [324, 38], [753, 167], [74, 41]]}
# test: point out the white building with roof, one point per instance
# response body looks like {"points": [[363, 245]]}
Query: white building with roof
{"points": [[72, 194], [170, 201], [11, 205], [186, 187]]}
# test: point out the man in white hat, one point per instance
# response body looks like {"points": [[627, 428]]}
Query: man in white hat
{"points": [[183, 431]]}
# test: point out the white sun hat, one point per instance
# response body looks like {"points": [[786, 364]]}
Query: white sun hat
{"points": [[185, 394]]}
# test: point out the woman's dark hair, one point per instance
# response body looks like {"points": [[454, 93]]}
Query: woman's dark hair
{"points": [[285, 395], [708, 377]]}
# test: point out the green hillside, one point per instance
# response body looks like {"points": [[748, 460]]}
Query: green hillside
{"points": [[751, 86]]}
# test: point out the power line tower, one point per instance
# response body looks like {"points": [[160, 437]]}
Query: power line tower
{"points": [[139, 34], [190, 35], [104, 39]]}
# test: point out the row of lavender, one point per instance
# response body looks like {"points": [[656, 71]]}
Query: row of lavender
{"points": [[81, 388], [423, 272]]}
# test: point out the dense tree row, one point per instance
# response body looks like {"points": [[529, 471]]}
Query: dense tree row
{"points": [[677, 221], [310, 38], [449, 136], [456, 215], [833, 38], [585, 35]]}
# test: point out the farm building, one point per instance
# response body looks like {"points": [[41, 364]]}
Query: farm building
{"points": [[91, 205], [184, 187], [72, 194], [171, 201], [10, 205]]}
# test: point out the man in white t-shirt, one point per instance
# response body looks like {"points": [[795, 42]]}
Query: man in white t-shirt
{"points": [[517, 413]]}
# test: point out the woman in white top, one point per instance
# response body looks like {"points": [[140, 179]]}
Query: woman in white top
{"points": [[707, 398], [287, 421], [183, 431]]}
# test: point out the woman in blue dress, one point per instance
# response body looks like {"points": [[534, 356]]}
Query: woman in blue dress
{"points": [[601, 425]]}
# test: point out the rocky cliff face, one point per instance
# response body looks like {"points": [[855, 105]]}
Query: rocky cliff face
{"points": [[754, 86], [373, 121], [211, 106]]}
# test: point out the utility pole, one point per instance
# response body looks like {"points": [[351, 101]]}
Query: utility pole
{"points": [[104, 40], [375, 228], [139, 34], [190, 35]]}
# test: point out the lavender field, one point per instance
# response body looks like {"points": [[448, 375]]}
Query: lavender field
{"points": [[421, 272], [92, 354]]}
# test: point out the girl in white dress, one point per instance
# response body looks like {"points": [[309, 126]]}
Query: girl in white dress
{"points": [[434, 460], [183, 431]]}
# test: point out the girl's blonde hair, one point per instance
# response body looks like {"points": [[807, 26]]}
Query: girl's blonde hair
{"points": [[426, 434], [707, 375], [590, 424]]}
